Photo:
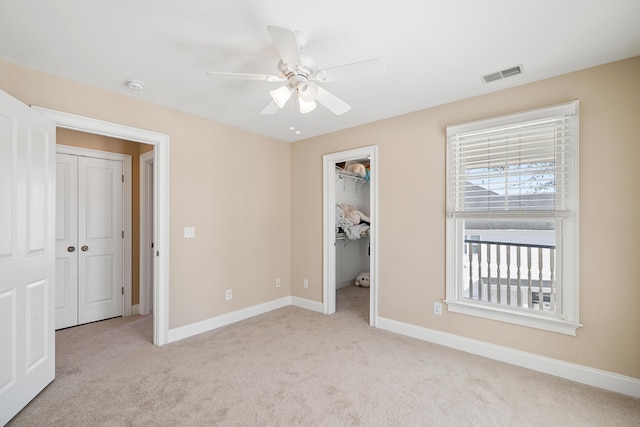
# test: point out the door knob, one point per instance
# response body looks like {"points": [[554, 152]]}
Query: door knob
{"points": [[71, 248], [84, 248]]}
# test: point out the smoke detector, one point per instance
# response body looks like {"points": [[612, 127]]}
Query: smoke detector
{"points": [[134, 84]]}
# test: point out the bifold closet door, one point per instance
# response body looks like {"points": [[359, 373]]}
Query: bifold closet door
{"points": [[89, 276], [66, 241], [100, 235]]}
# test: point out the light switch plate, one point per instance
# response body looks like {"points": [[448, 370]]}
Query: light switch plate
{"points": [[189, 232]]}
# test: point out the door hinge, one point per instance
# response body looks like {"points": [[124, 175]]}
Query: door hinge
{"points": [[123, 290], [122, 178], [123, 234]]}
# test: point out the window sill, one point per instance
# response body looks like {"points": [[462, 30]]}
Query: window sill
{"points": [[530, 320]]}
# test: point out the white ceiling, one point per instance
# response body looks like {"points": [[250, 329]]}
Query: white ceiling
{"points": [[434, 51]]}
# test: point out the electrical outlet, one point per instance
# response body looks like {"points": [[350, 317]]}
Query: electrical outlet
{"points": [[229, 294], [278, 283], [189, 232], [305, 283], [437, 308]]}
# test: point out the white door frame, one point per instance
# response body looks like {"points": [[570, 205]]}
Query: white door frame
{"points": [[329, 232], [146, 220], [161, 196], [126, 207]]}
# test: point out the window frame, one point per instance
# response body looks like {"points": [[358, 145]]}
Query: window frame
{"points": [[567, 243]]}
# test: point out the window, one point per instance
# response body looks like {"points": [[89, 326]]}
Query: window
{"points": [[512, 218]]}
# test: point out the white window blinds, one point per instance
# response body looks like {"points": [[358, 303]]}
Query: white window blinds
{"points": [[514, 166]]}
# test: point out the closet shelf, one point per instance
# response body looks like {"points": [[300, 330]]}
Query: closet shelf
{"points": [[341, 173], [345, 240], [343, 236]]}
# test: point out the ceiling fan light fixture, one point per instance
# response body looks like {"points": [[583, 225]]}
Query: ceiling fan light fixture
{"points": [[308, 91], [281, 95], [306, 106], [301, 74]]}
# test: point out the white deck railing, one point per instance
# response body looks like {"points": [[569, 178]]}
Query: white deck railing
{"points": [[511, 274]]}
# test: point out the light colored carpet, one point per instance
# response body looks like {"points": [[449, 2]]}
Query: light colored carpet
{"points": [[295, 367]]}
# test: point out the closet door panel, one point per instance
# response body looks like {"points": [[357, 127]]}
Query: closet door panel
{"points": [[66, 294], [100, 227]]}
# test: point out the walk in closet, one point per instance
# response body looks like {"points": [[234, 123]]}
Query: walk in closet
{"points": [[352, 197]]}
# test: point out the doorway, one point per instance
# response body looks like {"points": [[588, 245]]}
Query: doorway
{"points": [[93, 250], [161, 200], [331, 240]]}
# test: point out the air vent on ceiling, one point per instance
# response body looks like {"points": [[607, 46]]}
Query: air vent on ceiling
{"points": [[502, 74]]}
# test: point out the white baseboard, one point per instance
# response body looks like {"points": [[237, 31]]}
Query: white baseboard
{"points": [[571, 371], [225, 319], [135, 309], [345, 284], [307, 304], [191, 329]]}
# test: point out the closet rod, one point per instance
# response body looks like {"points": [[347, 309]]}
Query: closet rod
{"points": [[342, 173]]}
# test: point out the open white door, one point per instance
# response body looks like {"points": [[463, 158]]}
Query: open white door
{"points": [[27, 254]]}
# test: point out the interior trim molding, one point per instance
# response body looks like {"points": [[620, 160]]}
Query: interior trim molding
{"points": [[583, 374], [307, 304], [160, 142], [215, 322], [146, 250], [329, 227]]}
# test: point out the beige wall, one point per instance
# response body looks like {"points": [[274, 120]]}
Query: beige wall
{"points": [[412, 185], [232, 186], [256, 204], [134, 149]]}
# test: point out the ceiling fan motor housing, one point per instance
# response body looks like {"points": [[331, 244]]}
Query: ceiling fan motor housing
{"points": [[297, 74]]}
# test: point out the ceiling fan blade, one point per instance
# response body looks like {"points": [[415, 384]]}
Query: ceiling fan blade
{"points": [[369, 68], [332, 102], [286, 44], [270, 108], [245, 76]]}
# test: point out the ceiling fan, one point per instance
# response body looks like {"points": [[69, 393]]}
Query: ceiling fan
{"points": [[301, 74]]}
